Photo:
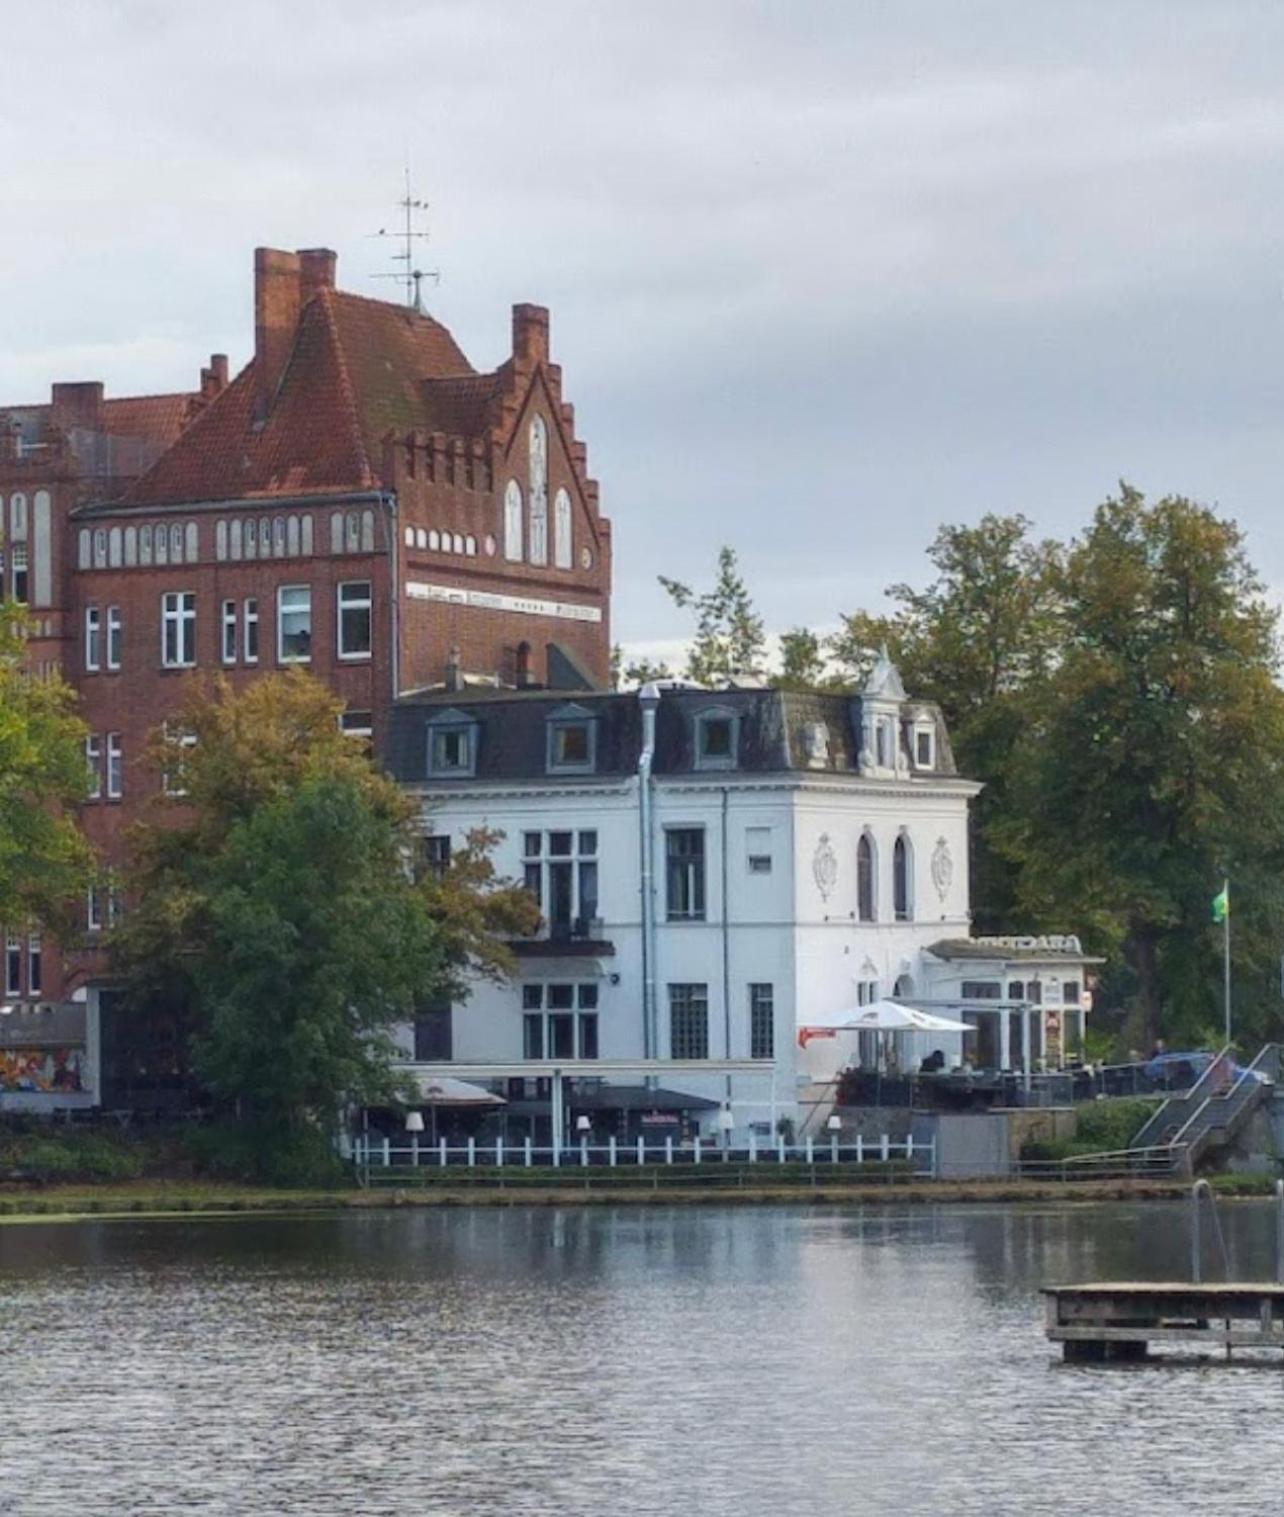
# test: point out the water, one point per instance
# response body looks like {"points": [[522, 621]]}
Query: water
{"points": [[632, 1361]]}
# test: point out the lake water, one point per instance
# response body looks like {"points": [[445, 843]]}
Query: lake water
{"points": [[686, 1360]]}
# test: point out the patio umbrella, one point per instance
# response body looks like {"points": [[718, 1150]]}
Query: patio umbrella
{"points": [[445, 1090], [878, 1016]]}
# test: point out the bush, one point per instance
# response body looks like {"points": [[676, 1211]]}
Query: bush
{"points": [[36, 1154], [293, 1158], [1112, 1124]]}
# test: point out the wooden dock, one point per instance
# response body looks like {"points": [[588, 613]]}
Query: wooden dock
{"points": [[1099, 1323]]}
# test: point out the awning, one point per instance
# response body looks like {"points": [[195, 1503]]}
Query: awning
{"points": [[443, 1090], [636, 1098]]}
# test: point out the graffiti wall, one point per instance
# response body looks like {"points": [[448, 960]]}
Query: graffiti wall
{"points": [[41, 1069]]}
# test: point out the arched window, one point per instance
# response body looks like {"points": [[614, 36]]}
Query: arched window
{"points": [[251, 539], [115, 547], [865, 898], [144, 545], [192, 539], [563, 551], [538, 544], [82, 558], [367, 531], [305, 528], [265, 537], [131, 547], [220, 540], [457, 542], [278, 537], [513, 522], [410, 537], [235, 539], [292, 536], [902, 880], [434, 540], [336, 532]]}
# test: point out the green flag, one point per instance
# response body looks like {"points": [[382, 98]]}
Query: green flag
{"points": [[1221, 904]]}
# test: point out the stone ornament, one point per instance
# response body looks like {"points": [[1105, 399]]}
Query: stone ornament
{"points": [[942, 867], [824, 866]]}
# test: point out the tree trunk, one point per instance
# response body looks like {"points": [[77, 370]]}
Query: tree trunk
{"points": [[1142, 953]]}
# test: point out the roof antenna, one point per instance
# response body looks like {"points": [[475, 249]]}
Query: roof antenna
{"points": [[408, 235]]}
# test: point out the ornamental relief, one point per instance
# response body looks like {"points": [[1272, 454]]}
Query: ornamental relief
{"points": [[942, 867], [824, 866]]}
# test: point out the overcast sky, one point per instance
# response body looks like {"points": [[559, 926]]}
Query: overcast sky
{"points": [[822, 275]]}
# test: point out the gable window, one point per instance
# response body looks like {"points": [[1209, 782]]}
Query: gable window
{"points": [[758, 849], [762, 1038], [452, 745], [93, 638], [924, 747], [178, 629], [865, 879], [294, 624], [513, 522], [684, 873], [560, 871], [572, 741], [538, 455], [688, 1021], [228, 638], [716, 740], [559, 1021], [354, 619], [563, 550], [902, 880], [115, 637], [250, 623]]}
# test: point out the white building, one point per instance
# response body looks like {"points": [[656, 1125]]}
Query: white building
{"points": [[716, 869]]}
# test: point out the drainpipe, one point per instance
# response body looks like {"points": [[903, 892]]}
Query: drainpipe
{"points": [[726, 948], [394, 591], [649, 700]]}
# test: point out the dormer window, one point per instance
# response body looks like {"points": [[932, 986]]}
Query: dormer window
{"points": [[925, 747], [572, 741], [452, 746], [717, 739]]}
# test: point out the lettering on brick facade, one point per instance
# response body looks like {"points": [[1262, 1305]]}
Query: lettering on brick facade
{"points": [[486, 600]]}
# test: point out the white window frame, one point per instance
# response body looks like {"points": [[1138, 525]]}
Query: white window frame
{"points": [[354, 603], [250, 619], [229, 621], [115, 637], [35, 965], [12, 964], [94, 763], [94, 909], [93, 639], [281, 612], [115, 767], [178, 610]]}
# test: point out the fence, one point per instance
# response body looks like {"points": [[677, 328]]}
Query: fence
{"points": [[380, 1160]]}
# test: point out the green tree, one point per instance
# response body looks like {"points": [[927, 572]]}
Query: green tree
{"points": [[729, 642], [802, 661], [45, 862], [273, 904], [1154, 761]]}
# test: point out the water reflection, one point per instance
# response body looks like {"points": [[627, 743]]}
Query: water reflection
{"points": [[633, 1361]]}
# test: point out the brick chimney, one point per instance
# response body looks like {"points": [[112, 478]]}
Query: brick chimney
{"points": [[530, 334], [77, 405], [317, 268], [214, 378]]}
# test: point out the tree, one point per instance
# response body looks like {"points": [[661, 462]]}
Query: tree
{"points": [[1154, 760], [274, 903], [729, 641], [802, 661], [45, 862]]}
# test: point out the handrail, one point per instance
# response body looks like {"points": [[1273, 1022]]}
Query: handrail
{"points": [[1249, 1083], [1187, 1096], [1198, 1189]]}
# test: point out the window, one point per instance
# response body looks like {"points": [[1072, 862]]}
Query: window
{"points": [[178, 629], [902, 895], [115, 637], [867, 994], [981, 990], [359, 724], [538, 457], [20, 572], [94, 908], [227, 638], [176, 544], [1070, 992], [17, 517], [293, 623], [559, 1021], [434, 1035], [762, 1039], [758, 848], [35, 965], [434, 854], [115, 904], [513, 522], [688, 1021], [563, 551], [924, 747], [251, 629], [684, 873], [865, 878], [452, 745], [1016, 990], [173, 776], [93, 638], [354, 619], [560, 871], [12, 964], [100, 548], [716, 740], [115, 767], [572, 741], [144, 545], [94, 763]]}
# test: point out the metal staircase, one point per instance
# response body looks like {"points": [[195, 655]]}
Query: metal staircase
{"points": [[1215, 1110]]}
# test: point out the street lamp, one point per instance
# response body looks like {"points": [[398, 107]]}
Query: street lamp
{"points": [[414, 1121], [583, 1126], [835, 1123]]}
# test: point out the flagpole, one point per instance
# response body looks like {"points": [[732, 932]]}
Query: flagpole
{"points": [[1226, 958]]}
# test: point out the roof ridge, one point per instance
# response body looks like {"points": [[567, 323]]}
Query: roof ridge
{"points": [[324, 296]]}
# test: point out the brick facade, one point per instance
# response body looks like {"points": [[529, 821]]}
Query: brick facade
{"points": [[357, 448]]}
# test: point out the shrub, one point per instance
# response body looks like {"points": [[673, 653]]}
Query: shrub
{"points": [[300, 1158], [1112, 1124]]}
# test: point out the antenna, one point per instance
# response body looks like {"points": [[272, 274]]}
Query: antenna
{"points": [[408, 236]]}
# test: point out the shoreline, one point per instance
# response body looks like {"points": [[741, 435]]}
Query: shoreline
{"points": [[70, 1203]]}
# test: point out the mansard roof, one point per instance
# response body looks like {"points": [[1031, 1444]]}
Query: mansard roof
{"points": [[777, 732], [356, 371]]}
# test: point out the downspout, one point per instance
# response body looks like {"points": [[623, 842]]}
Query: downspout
{"points": [[649, 699], [726, 948], [394, 592]]}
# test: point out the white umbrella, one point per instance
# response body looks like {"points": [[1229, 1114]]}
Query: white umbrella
{"points": [[445, 1090], [884, 1016]]}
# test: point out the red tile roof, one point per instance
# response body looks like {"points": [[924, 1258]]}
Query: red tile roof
{"points": [[356, 372], [159, 418]]}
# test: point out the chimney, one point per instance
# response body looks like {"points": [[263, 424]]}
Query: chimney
{"points": [[317, 266], [454, 670], [530, 334], [214, 379], [525, 679], [77, 405], [277, 303]]}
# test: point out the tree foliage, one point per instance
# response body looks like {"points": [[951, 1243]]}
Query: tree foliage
{"points": [[729, 642], [45, 862]]}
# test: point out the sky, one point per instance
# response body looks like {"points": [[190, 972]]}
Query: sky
{"points": [[823, 274]]}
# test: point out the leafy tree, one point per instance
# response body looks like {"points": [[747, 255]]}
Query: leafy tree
{"points": [[642, 671], [802, 661], [44, 860], [1155, 760], [729, 642], [273, 902]]}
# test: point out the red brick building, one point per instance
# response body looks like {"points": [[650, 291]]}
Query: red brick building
{"points": [[358, 501]]}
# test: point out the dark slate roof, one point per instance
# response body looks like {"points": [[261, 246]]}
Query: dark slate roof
{"points": [[776, 730]]}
